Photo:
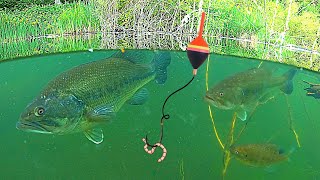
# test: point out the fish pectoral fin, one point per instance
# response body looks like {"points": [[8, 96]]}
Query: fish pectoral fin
{"points": [[140, 97], [264, 99], [270, 169], [102, 114], [94, 135], [241, 114]]}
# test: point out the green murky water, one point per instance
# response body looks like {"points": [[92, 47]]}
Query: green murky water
{"points": [[193, 150]]}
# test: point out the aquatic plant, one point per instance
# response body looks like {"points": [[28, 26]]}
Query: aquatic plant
{"points": [[44, 20], [77, 19], [48, 45], [32, 31]]}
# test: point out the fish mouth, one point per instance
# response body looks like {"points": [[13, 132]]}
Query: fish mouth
{"points": [[32, 127], [216, 102], [212, 101], [209, 98]]}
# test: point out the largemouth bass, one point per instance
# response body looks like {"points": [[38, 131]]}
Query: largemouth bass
{"points": [[258, 154], [83, 97], [243, 91]]}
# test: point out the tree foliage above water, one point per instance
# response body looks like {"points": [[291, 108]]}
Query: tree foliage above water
{"points": [[22, 4], [280, 30]]}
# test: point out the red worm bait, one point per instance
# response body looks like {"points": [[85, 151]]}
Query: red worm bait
{"points": [[151, 151]]}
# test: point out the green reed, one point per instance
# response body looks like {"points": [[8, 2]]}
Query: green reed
{"points": [[47, 46], [39, 30], [42, 20]]}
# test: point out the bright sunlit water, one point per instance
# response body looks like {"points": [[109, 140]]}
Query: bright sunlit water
{"points": [[193, 150]]}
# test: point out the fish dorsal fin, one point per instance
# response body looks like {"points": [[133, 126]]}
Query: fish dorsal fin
{"points": [[101, 114], [94, 135], [271, 68], [161, 62], [134, 56], [140, 97], [241, 114]]}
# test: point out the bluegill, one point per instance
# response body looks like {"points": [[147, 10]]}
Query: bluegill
{"points": [[85, 96], [258, 154], [243, 91]]}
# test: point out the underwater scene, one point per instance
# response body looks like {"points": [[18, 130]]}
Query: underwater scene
{"points": [[264, 122]]}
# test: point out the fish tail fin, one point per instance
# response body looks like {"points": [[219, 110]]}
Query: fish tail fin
{"points": [[287, 87], [291, 151], [161, 62]]}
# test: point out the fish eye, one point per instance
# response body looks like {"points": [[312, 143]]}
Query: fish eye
{"points": [[221, 93], [237, 152], [39, 111]]}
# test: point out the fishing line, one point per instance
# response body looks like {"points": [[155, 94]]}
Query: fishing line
{"points": [[305, 107], [246, 124], [291, 124], [226, 151], [209, 108], [166, 116], [197, 52]]}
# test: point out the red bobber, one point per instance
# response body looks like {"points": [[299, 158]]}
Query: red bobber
{"points": [[198, 49]]}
